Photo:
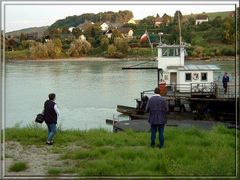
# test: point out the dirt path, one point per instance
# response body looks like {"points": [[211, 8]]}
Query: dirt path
{"points": [[38, 159]]}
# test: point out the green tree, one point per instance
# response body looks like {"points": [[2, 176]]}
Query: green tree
{"points": [[175, 18], [149, 20], [111, 51], [104, 43], [23, 37], [166, 19], [77, 32], [217, 22], [26, 44], [93, 34], [121, 45], [55, 33], [115, 34]]}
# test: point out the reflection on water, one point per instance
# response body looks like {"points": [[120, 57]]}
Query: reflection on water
{"points": [[87, 92]]}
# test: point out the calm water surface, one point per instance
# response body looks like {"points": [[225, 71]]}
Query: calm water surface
{"points": [[87, 92]]}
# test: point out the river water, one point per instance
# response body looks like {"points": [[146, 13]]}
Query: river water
{"points": [[87, 92]]}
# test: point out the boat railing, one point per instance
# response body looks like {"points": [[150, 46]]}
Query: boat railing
{"points": [[195, 90], [203, 89], [232, 91]]}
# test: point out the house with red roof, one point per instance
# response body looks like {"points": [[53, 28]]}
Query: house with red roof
{"points": [[201, 18]]}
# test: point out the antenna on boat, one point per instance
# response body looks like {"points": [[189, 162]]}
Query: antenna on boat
{"points": [[180, 33], [160, 35]]}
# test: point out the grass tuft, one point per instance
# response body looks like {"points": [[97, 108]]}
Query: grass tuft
{"points": [[18, 166]]}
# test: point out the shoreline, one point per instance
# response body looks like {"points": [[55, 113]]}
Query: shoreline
{"points": [[220, 58]]}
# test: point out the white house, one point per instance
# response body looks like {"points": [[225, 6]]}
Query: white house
{"points": [[126, 32], [108, 33], [201, 18], [71, 28], [104, 26], [82, 37], [131, 21]]}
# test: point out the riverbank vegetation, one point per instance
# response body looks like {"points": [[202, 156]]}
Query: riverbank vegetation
{"points": [[114, 36], [187, 152]]}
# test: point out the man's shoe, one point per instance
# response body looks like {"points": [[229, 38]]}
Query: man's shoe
{"points": [[152, 145], [49, 143]]}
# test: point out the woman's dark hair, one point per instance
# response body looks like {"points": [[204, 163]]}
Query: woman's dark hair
{"points": [[156, 90], [51, 96]]}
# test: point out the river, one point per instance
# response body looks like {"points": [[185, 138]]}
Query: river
{"points": [[87, 92]]}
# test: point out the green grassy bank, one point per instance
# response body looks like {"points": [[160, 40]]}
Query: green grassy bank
{"points": [[187, 152]]}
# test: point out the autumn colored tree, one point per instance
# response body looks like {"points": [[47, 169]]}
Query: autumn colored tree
{"points": [[54, 48], [38, 50], [228, 30], [79, 47]]}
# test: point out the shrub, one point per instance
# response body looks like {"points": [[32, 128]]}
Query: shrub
{"points": [[121, 45], [113, 53], [228, 52], [198, 51]]}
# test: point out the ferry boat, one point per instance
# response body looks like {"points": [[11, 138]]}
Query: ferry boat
{"points": [[187, 88]]}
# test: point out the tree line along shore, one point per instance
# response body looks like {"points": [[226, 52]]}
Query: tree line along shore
{"points": [[88, 36]]}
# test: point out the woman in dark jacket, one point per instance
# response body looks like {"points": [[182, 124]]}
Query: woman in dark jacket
{"points": [[51, 115]]}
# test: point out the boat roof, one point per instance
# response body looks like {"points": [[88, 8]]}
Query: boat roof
{"points": [[196, 67], [170, 46]]}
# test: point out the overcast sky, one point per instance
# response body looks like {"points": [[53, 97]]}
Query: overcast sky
{"points": [[35, 15]]}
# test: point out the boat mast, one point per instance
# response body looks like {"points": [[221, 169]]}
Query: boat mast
{"points": [[180, 33]]}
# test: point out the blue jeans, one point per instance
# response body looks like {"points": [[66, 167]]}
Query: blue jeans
{"points": [[160, 129], [51, 131]]}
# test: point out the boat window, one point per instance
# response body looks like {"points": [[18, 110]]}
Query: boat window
{"points": [[170, 51], [188, 76], [165, 77], [203, 76]]}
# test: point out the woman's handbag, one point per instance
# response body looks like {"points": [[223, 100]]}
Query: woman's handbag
{"points": [[39, 118]]}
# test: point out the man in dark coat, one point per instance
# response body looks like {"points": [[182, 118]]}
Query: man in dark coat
{"points": [[225, 81], [157, 108], [51, 114]]}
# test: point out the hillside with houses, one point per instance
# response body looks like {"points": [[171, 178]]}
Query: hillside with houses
{"points": [[118, 34]]}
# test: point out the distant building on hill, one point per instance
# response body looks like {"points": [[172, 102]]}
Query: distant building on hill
{"points": [[232, 14], [201, 18], [131, 21], [126, 32], [158, 21], [104, 26]]}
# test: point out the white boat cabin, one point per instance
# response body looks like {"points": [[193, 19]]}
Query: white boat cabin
{"points": [[178, 76]]}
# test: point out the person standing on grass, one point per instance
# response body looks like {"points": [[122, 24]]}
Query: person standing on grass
{"points": [[225, 81], [51, 115], [157, 108]]}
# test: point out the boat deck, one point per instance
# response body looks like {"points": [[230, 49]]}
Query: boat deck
{"points": [[144, 126]]}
